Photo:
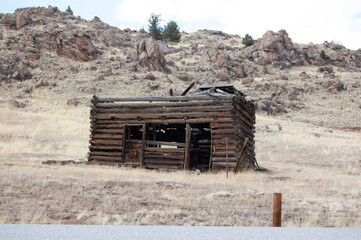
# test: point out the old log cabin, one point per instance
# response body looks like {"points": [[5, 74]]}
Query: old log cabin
{"points": [[208, 130]]}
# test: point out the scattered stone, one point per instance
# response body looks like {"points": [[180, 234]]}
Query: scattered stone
{"points": [[326, 69], [15, 104], [106, 71], [42, 83], [8, 21], [72, 102], [182, 76], [337, 207], [150, 76]]}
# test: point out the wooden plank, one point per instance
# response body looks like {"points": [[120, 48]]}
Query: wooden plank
{"points": [[170, 98], [241, 155], [188, 89], [187, 147], [144, 129], [125, 130]]}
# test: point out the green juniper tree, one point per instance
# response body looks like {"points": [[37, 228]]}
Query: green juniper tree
{"points": [[154, 29], [171, 32], [248, 40], [69, 10]]}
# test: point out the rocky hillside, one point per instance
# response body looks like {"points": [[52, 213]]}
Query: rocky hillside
{"points": [[46, 51]]}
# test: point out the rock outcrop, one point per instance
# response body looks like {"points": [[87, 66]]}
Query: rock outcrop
{"points": [[149, 55]]}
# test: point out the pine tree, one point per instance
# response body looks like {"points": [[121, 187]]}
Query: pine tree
{"points": [[171, 32], [154, 29], [69, 10], [248, 40]]}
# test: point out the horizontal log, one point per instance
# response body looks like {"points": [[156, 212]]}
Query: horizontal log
{"points": [[169, 121], [165, 150], [163, 155], [101, 147], [221, 125], [164, 104], [158, 166], [223, 147], [176, 144], [163, 161], [101, 153], [106, 142], [98, 130], [224, 164], [223, 131], [104, 158], [106, 136], [161, 116], [224, 159], [150, 110], [223, 153], [170, 98], [250, 116]]}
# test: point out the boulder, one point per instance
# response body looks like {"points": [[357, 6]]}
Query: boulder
{"points": [[275, 47], [21, 20], [149, 55], [223, 61], [8, 21], [70, 44]]}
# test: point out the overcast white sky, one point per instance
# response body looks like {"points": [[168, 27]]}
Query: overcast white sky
{"points": [[305, 21]]}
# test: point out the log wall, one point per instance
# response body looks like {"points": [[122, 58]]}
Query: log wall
{"points": [[229, 116]]}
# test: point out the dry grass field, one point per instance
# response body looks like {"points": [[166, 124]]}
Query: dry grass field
{"points": [[313, 167]]}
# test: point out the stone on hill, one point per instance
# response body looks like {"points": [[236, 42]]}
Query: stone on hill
{"points": [[149, 55], [21, 20], [8, 21]]}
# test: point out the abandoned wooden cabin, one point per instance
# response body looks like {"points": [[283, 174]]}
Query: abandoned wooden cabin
{"points": [[207, 130]]}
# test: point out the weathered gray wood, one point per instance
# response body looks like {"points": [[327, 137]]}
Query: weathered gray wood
{"points": [[241, 155], [171, 98], [187, 147], [188, 89], [176, 144]]}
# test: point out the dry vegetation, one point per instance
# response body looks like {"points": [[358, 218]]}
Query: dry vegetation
{"points": [[312, 166]]}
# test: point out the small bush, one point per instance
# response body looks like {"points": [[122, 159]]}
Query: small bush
{"points": [[171, 32], [323, 55], [248, 40], [69, 10]]}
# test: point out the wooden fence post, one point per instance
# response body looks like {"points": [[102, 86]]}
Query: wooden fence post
{"points": [[277, 210]]}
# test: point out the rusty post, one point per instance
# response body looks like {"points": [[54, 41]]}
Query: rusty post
{"points": [[277, 210], [227, 156]]}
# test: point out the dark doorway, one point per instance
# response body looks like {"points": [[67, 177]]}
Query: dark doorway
{"points": [[200, 147], [133, 144]]}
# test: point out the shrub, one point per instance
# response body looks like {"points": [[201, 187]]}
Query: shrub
{"points": [[69, 10], [154, 29], [171, 32], [323, 55], [247, 40]]}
